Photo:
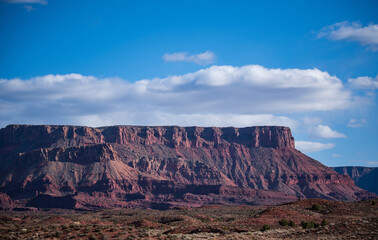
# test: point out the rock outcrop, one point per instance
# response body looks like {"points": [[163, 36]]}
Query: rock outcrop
{"points": [[364, 177], [159, 167], [6, 202]]}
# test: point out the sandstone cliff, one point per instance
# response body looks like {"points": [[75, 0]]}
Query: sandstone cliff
{"points": [[136, 166]]}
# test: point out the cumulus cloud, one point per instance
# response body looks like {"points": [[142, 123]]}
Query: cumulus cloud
{"points": [[352, 31], [356, 123], [218, 96], [323, 131], [308, 147], [43, 2], [201, 58], [366, 83]]}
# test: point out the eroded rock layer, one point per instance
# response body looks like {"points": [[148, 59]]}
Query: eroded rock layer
{"points": [[159, 167]]}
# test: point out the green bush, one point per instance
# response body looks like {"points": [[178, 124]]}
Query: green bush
{"points": [[310, 224], [283, 222], [291, 223], [316, 207], [266, 227], [305, 224], [373, 202], [324, 222]]}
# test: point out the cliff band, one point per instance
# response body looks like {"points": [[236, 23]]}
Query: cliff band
{"points": [[160, 167]]}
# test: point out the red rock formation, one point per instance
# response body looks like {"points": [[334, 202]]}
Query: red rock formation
{"points": [[364, 177], [6, 202], [134, 166], [200, 137]]}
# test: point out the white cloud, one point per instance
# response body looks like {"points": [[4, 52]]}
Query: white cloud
{"points": [[352, 31], [201, 58], [156, 118], [323, 131], [367, 83], [43, 2], [219, 96], [356, 123], [308, 147]]}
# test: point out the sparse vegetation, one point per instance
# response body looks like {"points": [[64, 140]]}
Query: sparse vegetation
{"points": [[310, 224], [324, 222], [228, 222], [265, 227], [283, 222], [316, 207]]}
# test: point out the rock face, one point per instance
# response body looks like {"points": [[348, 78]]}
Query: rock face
{"points": [[5, 202], [159, 167], [364, 177]]}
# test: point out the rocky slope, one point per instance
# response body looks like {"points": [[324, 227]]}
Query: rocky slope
{"points": [[159, 167], [364, 177]]}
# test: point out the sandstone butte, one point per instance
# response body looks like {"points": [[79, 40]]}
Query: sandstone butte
{"points": [[73, 167]]}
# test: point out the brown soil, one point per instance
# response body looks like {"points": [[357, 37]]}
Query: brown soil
{"points": [[344, 220]]}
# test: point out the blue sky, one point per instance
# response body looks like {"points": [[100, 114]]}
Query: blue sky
{"points": [[310, 65]]}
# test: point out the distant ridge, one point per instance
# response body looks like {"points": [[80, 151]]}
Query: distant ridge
{"points": [[364, 177]]}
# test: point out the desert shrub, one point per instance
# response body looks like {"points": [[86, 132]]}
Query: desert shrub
{"points": [[265, 227], [309, 224], [304, 224], [291, 223], [53, 227], [167, 220], [315, 207], [205, 220], [324, 222], [283, 222]]}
